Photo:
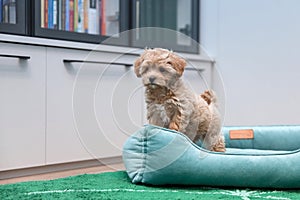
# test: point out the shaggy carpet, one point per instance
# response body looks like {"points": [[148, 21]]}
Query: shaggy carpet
{"points": [[116, 185]]}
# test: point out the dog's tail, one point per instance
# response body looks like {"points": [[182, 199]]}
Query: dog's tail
{"points": [[214, 139], [209, 96]]}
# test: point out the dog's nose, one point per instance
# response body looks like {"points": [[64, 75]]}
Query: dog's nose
{"points": [[152, 79]]}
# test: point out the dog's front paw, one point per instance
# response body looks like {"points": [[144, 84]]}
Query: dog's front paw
{"points": [[174, 126], [170, 107]]}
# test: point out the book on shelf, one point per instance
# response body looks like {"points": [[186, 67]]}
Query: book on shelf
{"points": [[55, 13], [71, 15], [85, 16], [45, 15], [102, 17], [62, 15], [93, 17], [75, 15], [42, 14], [66, 13], [50, 14], [80, 16]]}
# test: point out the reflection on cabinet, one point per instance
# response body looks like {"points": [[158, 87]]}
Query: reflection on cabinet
{"points": [[22, 106]]}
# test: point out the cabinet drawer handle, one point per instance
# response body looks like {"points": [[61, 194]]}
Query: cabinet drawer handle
{"points": [[15, 56], [96, 62], [194, 69], [117, 63]]}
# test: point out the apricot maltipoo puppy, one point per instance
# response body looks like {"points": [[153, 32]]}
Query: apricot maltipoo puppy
{"points": [[170, 104]]}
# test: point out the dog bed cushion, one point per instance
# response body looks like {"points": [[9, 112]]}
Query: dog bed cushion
{"points": [[265, 157]]}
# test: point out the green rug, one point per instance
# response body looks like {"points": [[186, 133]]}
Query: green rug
{"points": [[116, 185]]}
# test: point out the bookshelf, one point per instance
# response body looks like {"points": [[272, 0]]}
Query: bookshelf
{"points": [[90, 21], [94, 21], [97, 17]]}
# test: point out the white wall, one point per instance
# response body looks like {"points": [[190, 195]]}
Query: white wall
{"points": [[256, 45]]}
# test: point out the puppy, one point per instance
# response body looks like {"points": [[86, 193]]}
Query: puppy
{"points": [[170, 104]]}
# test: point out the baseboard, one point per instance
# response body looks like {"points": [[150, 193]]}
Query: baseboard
{"points": [[59, 167]]}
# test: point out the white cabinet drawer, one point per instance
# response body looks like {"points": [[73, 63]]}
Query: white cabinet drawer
{"points": [[22, 106], [91, 107]]}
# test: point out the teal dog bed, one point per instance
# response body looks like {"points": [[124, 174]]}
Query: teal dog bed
{"points": [[261, 157]]}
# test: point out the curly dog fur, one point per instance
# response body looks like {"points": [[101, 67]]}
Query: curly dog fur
{"points": [[172, 105]]}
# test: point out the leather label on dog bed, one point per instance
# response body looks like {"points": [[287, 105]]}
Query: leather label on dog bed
{"points": [[241, 134]]}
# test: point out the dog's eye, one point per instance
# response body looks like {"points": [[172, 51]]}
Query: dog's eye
{"points": [[161, 69], [144, 69], [169, 63]]}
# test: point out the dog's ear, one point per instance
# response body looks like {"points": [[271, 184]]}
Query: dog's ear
{"points": [[178, 64], [137, 66]]}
